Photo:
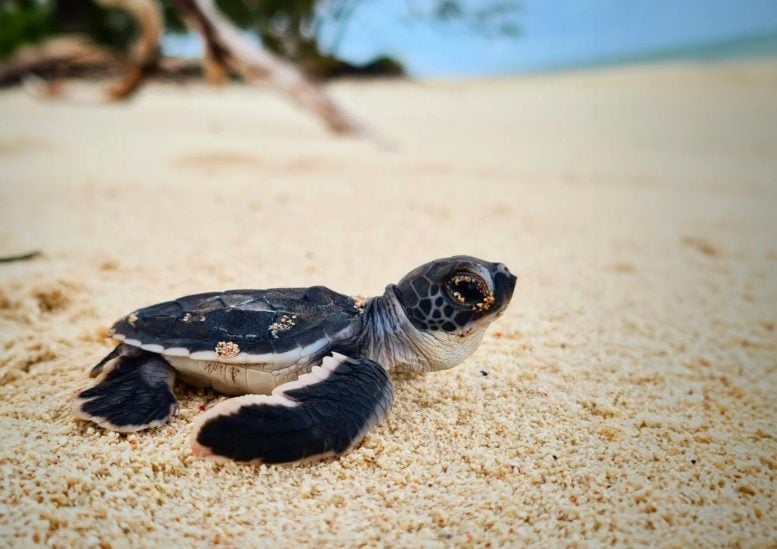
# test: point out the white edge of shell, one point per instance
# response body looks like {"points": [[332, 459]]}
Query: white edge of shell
{"points": [[289, 357]]}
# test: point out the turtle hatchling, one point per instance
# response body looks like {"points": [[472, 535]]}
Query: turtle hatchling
{"points": [[312, 365]]}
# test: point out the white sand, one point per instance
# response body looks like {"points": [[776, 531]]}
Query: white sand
{"points": [[630, 395]]}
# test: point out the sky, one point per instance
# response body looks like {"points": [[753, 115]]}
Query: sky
{"points": [[553, 33]]}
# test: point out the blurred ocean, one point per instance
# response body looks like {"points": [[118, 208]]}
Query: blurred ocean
{"points": [[737, 48]]}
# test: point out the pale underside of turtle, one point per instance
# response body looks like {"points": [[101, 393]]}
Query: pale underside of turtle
{"points": [[311, 363]]}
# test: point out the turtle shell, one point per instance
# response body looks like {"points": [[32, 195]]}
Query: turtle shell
{"points": [[279, 325]]}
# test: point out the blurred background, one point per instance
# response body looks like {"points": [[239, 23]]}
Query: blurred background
{"points": [[432, 38]]}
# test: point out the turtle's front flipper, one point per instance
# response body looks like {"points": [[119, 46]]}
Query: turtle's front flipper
{"points": [[133, 392], [321, 414]]}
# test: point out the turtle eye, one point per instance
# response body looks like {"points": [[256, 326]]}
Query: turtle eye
{"points": [[466, 289]]}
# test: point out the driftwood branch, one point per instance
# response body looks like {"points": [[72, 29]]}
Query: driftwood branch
{"points": [[215, 73], [145, 50], [56, 52], [70, 56], [143, 57], [226, 46]]}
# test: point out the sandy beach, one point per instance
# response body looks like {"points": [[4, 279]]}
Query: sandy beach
{"points": [[626, 397]]}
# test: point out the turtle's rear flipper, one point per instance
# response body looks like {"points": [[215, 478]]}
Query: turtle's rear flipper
{"points": [[134, 392], [118, 351], [321, 414]]}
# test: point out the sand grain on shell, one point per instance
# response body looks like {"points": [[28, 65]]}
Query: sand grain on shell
{"points": [[630, 389]]}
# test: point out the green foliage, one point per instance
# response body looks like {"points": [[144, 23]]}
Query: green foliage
{"points": [[23, 22], [29, 21], [108, 26], [496, 18]]}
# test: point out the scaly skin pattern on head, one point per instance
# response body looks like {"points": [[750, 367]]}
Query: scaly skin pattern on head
{"points": [[435, 317]]}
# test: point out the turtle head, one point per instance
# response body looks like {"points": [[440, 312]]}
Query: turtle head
{"points": [[458, 296]]}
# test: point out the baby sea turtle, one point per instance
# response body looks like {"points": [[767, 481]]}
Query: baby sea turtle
{"points": [[311, 363]]}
